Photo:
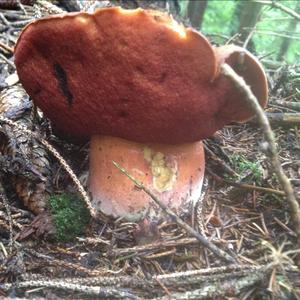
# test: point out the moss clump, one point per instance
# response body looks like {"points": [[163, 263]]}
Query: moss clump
{"points": [[242, 164], [70, 216]]}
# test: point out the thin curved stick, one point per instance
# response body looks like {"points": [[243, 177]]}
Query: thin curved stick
{"points": [[204, 241], [270, 147]]}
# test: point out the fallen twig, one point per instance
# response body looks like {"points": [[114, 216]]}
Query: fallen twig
{"points": [[154, 246], [292, 105], [6, 47], [246, 186], [290, 231], [284, 119], [278, 5], [172, 280], [229, 286], [270, 147], [11, 64], [217, 251], [50, 7], [61, 263], [220, 162], [100, 292], [121, 281]]}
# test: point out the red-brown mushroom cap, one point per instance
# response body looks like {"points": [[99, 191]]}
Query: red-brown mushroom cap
{"points": [[133, 74], [247, 66]]}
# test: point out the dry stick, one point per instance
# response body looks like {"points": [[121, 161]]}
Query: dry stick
{"points": [[121, 281], [278, 5], [274, 33], [61, 263], [291, 105], [11, 64], [50, 7], [21, 6], [245, 185], [217, 251], [218, 288], [172, 280], [62, 161], [121, 286], [284, 119], [154, 246], [100, 292], [214, 157], [286, 10], [6, 47], [271, 147]]}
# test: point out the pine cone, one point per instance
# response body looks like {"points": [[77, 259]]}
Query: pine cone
{"points": [[24, 159]]}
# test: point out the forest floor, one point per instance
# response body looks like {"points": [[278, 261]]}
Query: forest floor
{"points": [[107, 260]]}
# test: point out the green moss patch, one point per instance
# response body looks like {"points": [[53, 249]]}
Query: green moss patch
{"points": [[70, 216]]}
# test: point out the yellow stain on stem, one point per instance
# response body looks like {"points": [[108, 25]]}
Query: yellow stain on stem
{"points": [[164, 176]]}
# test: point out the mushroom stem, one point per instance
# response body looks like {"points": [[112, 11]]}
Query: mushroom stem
{"points": [[174, 173]]}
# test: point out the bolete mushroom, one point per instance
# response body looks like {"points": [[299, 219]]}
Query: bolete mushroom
{"points": [[144, 89]]}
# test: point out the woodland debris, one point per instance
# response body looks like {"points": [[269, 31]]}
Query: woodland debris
{"points": [[284, 119], [270, 150], [27, 162], [289, 104]]}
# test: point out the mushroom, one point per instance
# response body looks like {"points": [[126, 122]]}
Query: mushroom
{"points": [[144, 89]]}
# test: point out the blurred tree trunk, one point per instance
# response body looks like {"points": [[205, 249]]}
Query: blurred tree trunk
{"points": [[248, 14], [290, 28], [195, 12]]}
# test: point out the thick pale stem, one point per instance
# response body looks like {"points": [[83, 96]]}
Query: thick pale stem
{"points": [[174, 173]]}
